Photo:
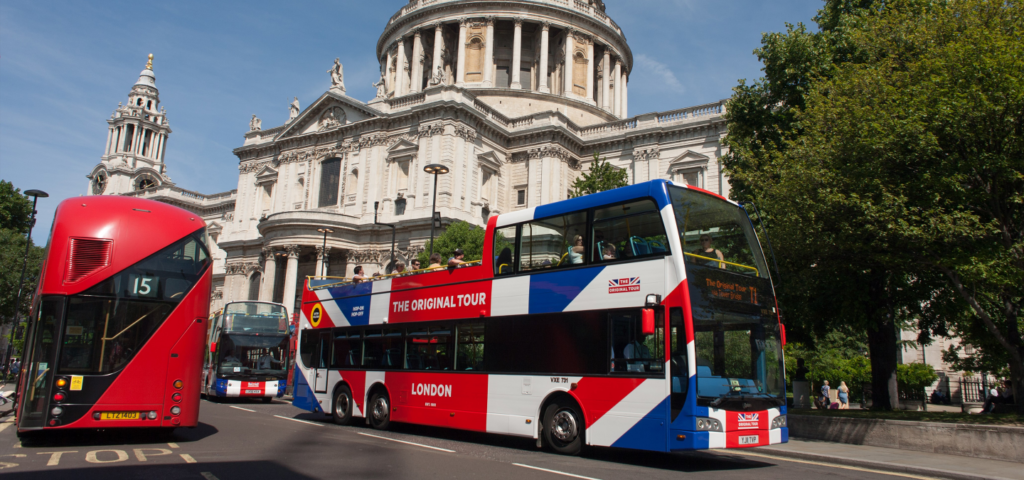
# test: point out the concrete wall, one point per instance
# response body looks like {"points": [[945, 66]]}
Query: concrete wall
{"points": [[979, 441]]}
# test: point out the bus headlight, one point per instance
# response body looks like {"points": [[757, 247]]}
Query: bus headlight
{"points": [[152, 415], [778, 422], [708, 425], [56, 411], [175, 410]]}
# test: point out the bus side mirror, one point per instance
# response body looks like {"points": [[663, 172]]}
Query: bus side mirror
{"points": [[213, 348], [647, 319], [782, 330]]}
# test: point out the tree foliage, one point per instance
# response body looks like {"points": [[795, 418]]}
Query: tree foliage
{"points": [[15, 218], [469, 238], [602, 176]]}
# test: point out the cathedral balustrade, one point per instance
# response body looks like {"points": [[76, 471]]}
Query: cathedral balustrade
{"points": [[578, 6]]}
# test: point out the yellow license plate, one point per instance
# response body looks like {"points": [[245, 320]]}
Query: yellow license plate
{"points": [[119, 416]]}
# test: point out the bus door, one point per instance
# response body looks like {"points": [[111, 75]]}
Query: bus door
{"points": [[321, 360], [39, 364]]}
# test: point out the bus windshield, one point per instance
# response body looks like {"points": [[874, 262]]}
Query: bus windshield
{"points": [[252, 317], [245, 355], [736, 330]]}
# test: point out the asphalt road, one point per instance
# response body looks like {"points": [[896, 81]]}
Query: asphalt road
{"points": [[242, 440]]}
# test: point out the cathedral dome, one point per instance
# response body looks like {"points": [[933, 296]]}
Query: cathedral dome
{"points": [[518, 57]]}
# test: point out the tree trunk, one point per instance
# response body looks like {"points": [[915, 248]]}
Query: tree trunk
{"points": [[882, 346]]}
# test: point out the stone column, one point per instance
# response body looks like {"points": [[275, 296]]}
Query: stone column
{"points": [[136, 135], [567, 69], [163, 149], [389, 85], [590, 70], [489, 54], [625, 95], [606, 76], [542, 83], [416, 65], [290, 277], [269, 274], [322, 254], [461, 64], [517, 52], [616, 102], [110, 133], [400, 69], [438, 44]]}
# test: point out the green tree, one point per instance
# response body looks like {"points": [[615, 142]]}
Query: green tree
{"points": [[469, 238], [15, 219], [602, 176], [15, 208]]}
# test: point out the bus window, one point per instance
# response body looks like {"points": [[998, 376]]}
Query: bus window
{"points": [[627, 231], [548, 243], [310, 339], [470, 347], [429, 348], [382, 349], [680, 364], [504, 245], [631, 350], [348, 350]]}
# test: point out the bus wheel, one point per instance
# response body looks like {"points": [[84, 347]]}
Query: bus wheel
{"points": [[268, 399], [342, 411], [563, 428], [380, 411]]}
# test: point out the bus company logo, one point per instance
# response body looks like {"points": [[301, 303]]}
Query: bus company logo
{"points": [[747, 421], [316, 315], [431, 390], [623, 285]]}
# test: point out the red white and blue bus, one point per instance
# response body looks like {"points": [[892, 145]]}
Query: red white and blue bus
{"points": [[249, 346], [115, 337], [642, 317]]}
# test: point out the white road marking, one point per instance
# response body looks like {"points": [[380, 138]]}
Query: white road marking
{"points": [[554, 471], [208, 476], [833, 465], [300, 421], [3, 426], [407, 443], [240, 408], [172, 445], [188, 458]]}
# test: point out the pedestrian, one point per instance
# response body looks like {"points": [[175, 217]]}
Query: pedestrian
{"points": [[991, 400], [844, 396], [825, 391]]}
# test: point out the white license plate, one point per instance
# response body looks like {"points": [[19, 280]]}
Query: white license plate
{"points": [[261, 391], [749, 440]]}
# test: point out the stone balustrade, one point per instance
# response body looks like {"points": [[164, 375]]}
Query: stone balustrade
{"points": [[578, 6]]}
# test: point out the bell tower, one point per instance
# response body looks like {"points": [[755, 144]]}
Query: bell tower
{"points": [[136, 140]]}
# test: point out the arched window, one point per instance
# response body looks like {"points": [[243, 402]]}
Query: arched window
{"points": [[254, 286]]}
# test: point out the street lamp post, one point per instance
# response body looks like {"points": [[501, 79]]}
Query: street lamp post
{"points": [[375, 222], [323, 250], [35, 194], [434, 169]]}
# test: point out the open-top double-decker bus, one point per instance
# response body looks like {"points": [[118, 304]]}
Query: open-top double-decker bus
{"points": [[248, 350], [641, 317]]}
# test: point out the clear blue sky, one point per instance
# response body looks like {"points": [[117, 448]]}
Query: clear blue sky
{"points": [[65, 65]]}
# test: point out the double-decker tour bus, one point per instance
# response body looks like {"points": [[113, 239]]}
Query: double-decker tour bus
{"points": [[642, 317], [248, 349], [115, 338]]}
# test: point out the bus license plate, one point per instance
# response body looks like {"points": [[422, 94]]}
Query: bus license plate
{"points": [[749, 440], [119, 416], [257, 392]]}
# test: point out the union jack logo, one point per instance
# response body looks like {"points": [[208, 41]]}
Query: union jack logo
{"points": [[623, 282], [747, 417]]}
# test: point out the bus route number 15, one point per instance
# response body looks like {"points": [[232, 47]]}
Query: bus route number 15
{"points": [[142, 286]]}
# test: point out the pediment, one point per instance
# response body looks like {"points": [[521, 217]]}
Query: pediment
{"points": [[331, 111], [403, 148], [490, 159], [267, 174], [689, 159]]}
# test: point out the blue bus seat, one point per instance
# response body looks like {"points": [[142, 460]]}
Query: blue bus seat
{"points": [[639, 245], [657, 247]]}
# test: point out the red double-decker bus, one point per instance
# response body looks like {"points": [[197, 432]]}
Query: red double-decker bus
{"points": [[116, 333]]}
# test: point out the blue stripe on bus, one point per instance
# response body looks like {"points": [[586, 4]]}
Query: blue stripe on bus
{"points": [[552, 292], [648, 433], [655, 188], [363, 288], [355, 309]]}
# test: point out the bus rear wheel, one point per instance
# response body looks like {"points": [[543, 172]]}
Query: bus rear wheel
{"points": [[380, 411], [563, 428], [342, 406], [268, 399]]}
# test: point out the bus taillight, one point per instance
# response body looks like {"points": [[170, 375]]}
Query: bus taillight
{"points": [[178, 384]]}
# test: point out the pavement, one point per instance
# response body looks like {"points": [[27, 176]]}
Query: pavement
{"points": [[242, 440]]}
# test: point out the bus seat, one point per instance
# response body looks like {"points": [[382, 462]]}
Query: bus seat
{"points": [[599, 252], [351, 360], [392, 357], [703, 371], [561, 260], [414, 362], [657, 247], [639, 246]]}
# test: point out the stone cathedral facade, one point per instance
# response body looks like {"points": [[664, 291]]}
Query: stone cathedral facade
{"points": [[514, 97]]}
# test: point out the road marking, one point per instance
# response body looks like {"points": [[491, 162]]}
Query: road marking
{"points": [[141, 455], [554, 471], [300, 421], [240, 408], [3, 426], [208, 476], [172, 445], [93, 456], [833, 465], [188, 458], [55, 457], [407, 443]]}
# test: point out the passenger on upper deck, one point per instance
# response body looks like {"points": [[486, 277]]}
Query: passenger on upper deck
{"points": [[435, 261], [357, 274], [608, 252], [576, 250], [399, 268], [707, 250], [415, 264], [456, 260]]}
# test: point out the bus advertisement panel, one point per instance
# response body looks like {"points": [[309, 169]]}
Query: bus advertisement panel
{"points": [[116, 332], [248, 350], [642, 317]]}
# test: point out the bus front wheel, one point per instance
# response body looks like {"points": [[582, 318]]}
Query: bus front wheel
{"points": [[342, 411], [380, 411], [563, 428]]}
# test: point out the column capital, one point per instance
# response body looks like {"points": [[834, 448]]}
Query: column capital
{"points": [[463, 21], [518, 21], [293, 250], [618, 61], [321, 250], [489, 20], [401, 39], [545, 26], [416, 34], [268, 251]]}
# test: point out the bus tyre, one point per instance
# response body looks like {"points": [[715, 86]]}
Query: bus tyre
{"points": [[268, 399], [380, 411], [563, 428], [342, 406]]}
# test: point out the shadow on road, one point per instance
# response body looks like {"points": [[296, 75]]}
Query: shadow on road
{"points": [[140, 436], [222, 470]]}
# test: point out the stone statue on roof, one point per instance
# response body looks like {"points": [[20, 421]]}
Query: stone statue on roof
{"points": [[381, 89], [293, 109], [255, 124], [337, 76]]}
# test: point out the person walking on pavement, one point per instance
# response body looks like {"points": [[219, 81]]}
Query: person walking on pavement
{"points": [[825, 400], [844, 396]]}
